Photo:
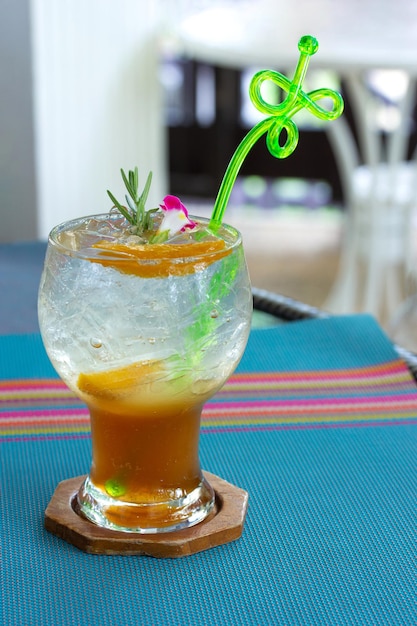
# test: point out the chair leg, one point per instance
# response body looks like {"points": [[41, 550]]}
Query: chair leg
{"points": [[343, 295]]}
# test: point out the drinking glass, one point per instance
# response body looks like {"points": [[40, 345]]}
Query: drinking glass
{"points": [[144, 335]]}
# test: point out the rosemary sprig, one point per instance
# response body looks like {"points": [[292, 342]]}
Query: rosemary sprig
{"points": [[135, 212]]}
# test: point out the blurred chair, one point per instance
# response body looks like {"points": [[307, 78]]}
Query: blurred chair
{"points": [[380, 189]]}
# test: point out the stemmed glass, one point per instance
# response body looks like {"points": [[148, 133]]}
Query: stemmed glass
{"points": [[144, 335]]}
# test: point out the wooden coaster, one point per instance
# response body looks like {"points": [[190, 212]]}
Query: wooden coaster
{"points": [[223, 525]]}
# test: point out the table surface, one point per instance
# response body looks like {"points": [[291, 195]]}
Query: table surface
{"points": [[353, 34], [318, 424]]}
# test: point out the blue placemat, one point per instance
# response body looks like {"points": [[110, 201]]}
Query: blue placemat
{"points": [[21, 266], [330, 536]]}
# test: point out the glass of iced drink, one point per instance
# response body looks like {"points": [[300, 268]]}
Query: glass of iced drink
{"points": [[144, 329]]}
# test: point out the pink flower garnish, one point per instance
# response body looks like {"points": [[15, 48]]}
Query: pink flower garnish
{"points": [[176, 217]]}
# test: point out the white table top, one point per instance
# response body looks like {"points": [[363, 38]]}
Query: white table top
{"points": [[353, 34]]}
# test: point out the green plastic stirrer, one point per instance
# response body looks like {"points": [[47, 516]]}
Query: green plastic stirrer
{"points": [[279, 118]]}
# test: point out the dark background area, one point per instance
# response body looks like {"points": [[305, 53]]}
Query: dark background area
{"points": [[199, 154]]}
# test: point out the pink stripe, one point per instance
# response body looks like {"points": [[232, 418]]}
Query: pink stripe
{"points": [[56, 401], [319, 384], [41, 397], [386, 369], [403, 400], [43, 420], [43, 413], [46, 437], [343, 391]]}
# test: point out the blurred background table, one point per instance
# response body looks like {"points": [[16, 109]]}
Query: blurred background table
{"points": [[372, 48]]}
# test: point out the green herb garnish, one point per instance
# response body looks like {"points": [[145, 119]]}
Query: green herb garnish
{"points": [[135, 212]]}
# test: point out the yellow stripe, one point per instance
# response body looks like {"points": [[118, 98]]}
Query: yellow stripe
{"points": [[44, 431]]}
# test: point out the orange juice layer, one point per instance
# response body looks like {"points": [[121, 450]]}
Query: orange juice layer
{"points": [[145, 444], [160, 260]]}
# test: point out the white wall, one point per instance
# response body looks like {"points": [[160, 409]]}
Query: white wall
{"points": [[97, 103], [18, 213]]}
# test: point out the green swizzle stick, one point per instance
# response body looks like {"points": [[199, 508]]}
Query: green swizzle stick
{"points": [[279, 119]]}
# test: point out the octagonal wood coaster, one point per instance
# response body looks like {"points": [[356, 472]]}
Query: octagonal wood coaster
{"points": [[223, 525]]}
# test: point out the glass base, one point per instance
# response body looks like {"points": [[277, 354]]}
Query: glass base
{"points": [[149, 518]]}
